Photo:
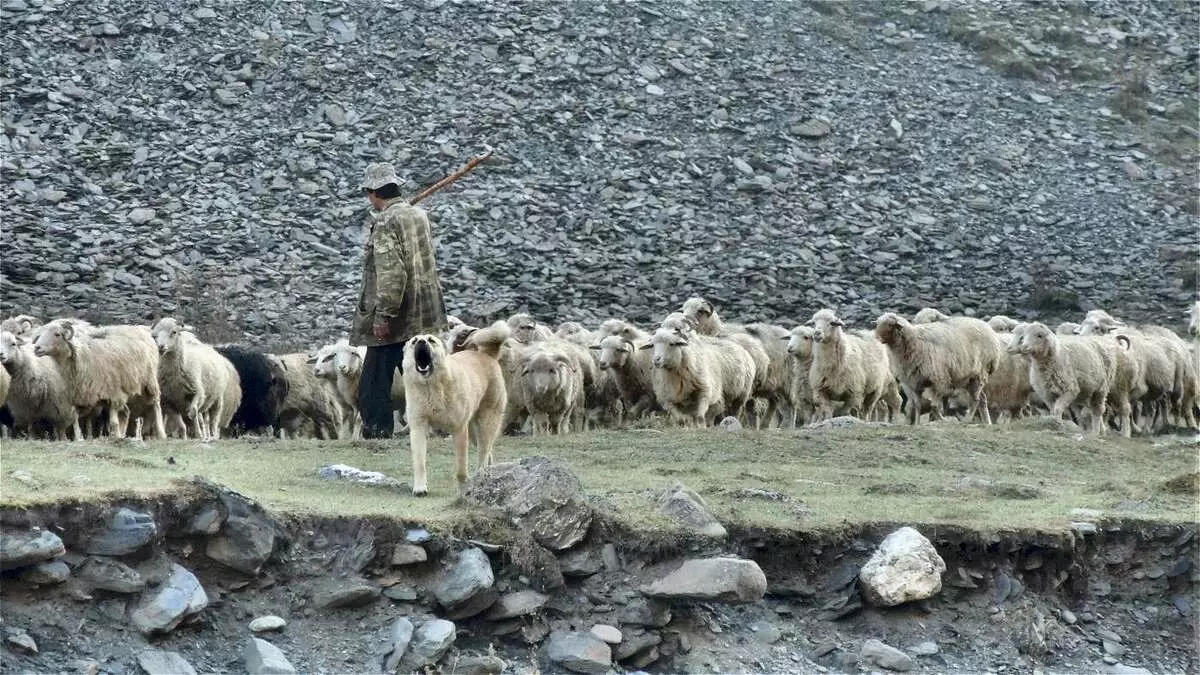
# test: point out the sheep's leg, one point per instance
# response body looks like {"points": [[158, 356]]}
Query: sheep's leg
{"points": [[115, 428], [1125, 410], [1098, 426]]}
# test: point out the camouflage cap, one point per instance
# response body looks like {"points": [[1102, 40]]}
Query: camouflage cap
{"points": [[379, 174]]}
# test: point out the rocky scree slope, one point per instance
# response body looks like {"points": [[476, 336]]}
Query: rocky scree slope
{"points": [[201, 159]]}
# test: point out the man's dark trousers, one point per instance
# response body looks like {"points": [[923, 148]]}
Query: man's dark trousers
{"points": [[375, 389]]}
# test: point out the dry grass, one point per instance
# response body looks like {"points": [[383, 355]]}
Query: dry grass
{"points": [[808, 479]]}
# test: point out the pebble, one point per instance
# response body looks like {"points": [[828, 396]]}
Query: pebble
{"points": [[266, 623], [609, 634]]}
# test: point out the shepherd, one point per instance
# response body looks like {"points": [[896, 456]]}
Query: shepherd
{"points": [[401, 293]]}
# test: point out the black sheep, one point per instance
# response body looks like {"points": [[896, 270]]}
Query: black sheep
{"points": [[264, 388]]}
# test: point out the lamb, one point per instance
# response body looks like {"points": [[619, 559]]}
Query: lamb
{"points": [[308, 397], [800, 348], [846, 367], [1067, 370], [112, 366], [37, 393], [1002, 324], [264, 388], [581, 357], [697, 377], [196, 382], [631, 370], [943, 356], [526, 330], [552, 387], [573, 331]]}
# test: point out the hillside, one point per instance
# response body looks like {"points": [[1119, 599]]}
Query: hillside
{"points": [[201, 159]]}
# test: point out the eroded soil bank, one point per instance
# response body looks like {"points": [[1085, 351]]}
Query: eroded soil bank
{"points": [[116, 581]]}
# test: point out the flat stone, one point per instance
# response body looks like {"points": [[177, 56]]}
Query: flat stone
{"points": [[876, 653], [464, 587], [20, 549], [399, 638], [400, 593], [579, 652], [165, 607], [266, 623], [731, 580], [689, 509], [430, 642], [46, 573], [518, 603], [811, 129], [21, 641], [161, 662], [111, 575], [408, 554], [610, 634], [141, 216], [479, 665], [924, 649], [904, 568], [345, 593], [263, 658], [128, 531]]}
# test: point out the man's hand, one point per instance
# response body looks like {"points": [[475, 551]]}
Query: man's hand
{"points": [[380, 330]]}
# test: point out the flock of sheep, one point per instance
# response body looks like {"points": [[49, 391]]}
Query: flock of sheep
{"points": [[68, 378]]}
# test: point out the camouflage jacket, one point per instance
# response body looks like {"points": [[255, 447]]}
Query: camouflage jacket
{"points": [[400, 282]]}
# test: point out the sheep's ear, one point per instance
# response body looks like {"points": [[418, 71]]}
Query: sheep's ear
{"points": [[68, 331], [596, 347], [706, 309], [647, 346], [838, 323], [26, 325], [188, 328], [312, 358]]}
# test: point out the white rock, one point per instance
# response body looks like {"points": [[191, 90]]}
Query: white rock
{"points": [[906, 567], [266, 623], [609, 634], [263, 658], [141, 216]]}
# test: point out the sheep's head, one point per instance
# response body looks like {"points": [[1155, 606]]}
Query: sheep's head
{"points": [[9, 344], [1194, 319], [167, 334], [21, 325], [702, 314], [348, 360], [452, 321], [614, 351], [1001, 323], [826, 325], [523, 327], [568, 329], [422, 354], [680, 323], [1069, 328], [1034, 339], [546, 370], [800, 342], [929, 315], [54, 339], [666, 345], [890, 326], [322, 361], [457, 337]]}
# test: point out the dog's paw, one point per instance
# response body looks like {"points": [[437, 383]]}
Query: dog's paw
{"points": [[420, 492]]}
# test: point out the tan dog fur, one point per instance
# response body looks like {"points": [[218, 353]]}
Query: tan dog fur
{"points": [[462, 393]]}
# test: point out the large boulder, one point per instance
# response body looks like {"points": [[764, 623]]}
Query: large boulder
{"points": [[247, 535], [127, 532], [20, 549], [429, 644], [540, 496], [165, 607], [906, 567], [690, 510], [464, 587], [579, 652], [732, 580]]}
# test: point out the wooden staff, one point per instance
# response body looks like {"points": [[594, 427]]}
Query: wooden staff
{"points": [[452, 177]]}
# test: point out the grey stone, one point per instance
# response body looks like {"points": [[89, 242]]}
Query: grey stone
{"points": [[517, 603], [609, 634], [811, 129], [540, 496], [336, 593], [128, 531], [20, 549], [924, 649], [579, 652], [266, 623], [111, 575], [582, 562], [885, 656], [263, 658], [20, 641], [730, 580], [207, 521], [399, 637], [479, 665], [246, 539], [689, 509], [430, 642], [464, 586], [160, 662], [46, 573], [645, 612], [408, 554], [163, 608], [141, 216]]}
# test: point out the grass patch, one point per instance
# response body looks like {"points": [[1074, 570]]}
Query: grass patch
{"points": [[986, 478]]}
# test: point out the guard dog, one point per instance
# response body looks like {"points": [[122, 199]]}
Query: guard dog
{"points": [[461, 392]]}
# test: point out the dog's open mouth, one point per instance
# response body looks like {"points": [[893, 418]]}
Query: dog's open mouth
{"points": [[423, 356]]}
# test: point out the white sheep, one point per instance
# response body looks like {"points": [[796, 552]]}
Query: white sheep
{"points": [[943, 356], [21, 325], [1068, 370], [552, 387], [37, 394], [929, 315], [1067, 328], [113, 367], [624, 329], [846, 368], [308, 397], [631, 370], [525, 329], [776, 386], [341, 364], [697, 377], [800, 348], [1002, 324], [769, 385], [195, 380], [1008, 389]]}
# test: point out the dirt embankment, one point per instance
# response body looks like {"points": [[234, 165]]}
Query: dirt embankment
{"points": [[152, 582]]}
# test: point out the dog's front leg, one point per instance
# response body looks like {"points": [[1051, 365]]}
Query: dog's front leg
{"points": [[462, 438], [418, 439]]}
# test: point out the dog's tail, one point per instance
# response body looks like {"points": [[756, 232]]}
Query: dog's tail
{"points": [[489, 340]]}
